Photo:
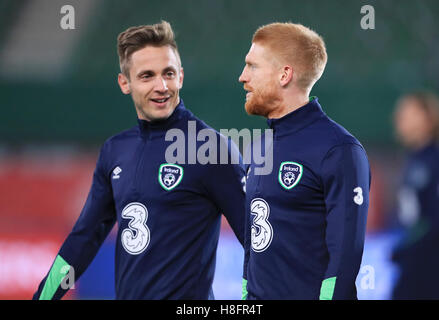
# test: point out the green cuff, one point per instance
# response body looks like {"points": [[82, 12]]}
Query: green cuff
{"points": [[56, 275], [244, 289], [327, 289]]}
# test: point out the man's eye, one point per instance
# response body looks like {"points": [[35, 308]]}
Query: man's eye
{"points": [[170, 74]]}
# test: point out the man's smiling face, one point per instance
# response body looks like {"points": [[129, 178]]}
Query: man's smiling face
{"points": [[156, 78]]}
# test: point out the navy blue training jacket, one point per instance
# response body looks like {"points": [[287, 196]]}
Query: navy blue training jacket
{"points": [[418, 195], [168, 216], [306, 220], [415, 254]]}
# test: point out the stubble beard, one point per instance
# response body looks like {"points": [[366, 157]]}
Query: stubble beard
{"points": [[263, 101]]}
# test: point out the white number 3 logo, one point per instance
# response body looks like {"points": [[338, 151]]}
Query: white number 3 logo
{"points": [[358, 199], [261, 231], [136, 237]]}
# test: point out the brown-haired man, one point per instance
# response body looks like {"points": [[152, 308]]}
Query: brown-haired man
{"points": [[416, 121], [306, 220], [168, 214]]}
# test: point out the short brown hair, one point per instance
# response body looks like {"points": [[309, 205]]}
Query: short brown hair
{"points": [[428, 102], [297, 45], [136, 38]]}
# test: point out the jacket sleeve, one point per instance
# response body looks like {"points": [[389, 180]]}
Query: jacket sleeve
{"points": [[346, 182], [82, 244], [247, 238], [226, 188]]}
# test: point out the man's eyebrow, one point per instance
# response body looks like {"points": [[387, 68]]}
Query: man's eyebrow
{"points": [[145, 72], [170, 68], [249, 61]]}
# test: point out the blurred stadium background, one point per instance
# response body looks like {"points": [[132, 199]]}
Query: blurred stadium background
{"points": [[59, 101]]}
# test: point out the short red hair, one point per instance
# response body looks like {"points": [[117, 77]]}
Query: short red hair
{"points": [[298, 46]]}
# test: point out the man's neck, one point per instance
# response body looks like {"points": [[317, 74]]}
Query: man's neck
{"points": [[422, 144], [289, 105]]}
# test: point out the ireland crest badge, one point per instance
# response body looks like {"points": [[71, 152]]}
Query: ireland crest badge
{"points": [[290, 174], [170, 176]]}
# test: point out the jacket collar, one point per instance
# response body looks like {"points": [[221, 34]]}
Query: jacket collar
{"points": [[156, 128], [297, 119]]}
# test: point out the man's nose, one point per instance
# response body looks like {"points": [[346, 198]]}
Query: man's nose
{"points": [[161, 85], [243, 77]]}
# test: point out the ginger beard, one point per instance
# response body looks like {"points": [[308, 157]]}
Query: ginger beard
{"points": [[263, 101]]}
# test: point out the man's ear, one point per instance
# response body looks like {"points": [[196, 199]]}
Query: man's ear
{"points": [[124, 83], [181, 78], [286, 75]]}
